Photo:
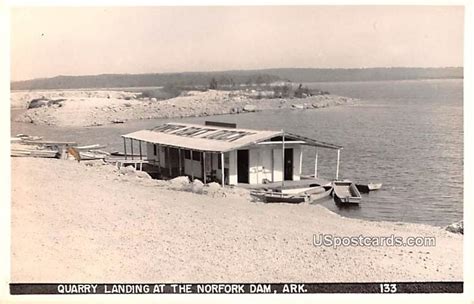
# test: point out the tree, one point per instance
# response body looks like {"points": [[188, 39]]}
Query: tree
{"points": [[213, 84]]}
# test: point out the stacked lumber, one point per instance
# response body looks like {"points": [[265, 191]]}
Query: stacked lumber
{"points": [[90, 147], [91, 156], [34, 153], [22, 150], [50, 143], [92, 152], [33, 146], [26, 137]]}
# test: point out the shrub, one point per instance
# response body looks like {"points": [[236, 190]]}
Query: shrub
{"points": [[282, 91], [166, 92], [301, 91], [213, 84]]}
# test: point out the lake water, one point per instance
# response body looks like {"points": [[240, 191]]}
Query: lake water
{"points": [[407, 135]]}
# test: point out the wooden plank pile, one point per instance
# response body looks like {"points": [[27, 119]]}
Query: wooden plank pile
{"points": [[34, 146], [92, 152], [19, 152], [29, 146]]}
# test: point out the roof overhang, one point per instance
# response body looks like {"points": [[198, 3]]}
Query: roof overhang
{"points": [[212, 138], [315, 143]]}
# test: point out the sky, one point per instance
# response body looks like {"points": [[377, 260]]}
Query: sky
{"points": [[48, 41]]}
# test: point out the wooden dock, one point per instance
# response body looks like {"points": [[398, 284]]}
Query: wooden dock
{"points": [[121, 162]]}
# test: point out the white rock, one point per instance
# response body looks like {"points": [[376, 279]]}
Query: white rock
{"points": [[142, 174], [250, 108], [197, 186], [128, 170], [297, 106], [457, 227], [214, 189], [179, 183]]}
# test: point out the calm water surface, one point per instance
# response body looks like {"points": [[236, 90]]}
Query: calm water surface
{"points": [[407, 135]]}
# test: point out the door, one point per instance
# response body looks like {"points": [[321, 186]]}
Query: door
{"points": [[174, 162], [288, 164], [243, 166]]}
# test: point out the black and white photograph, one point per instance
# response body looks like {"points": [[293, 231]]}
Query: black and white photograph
{"points": [[236, 149]]}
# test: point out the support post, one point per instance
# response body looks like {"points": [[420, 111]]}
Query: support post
{"points": [[204, 167], [140, 148], [282, 159], [222, 169], [179, 162], [337, 167], [212, 165], [316, 164], [259, 162], [125, 147], [273, 166], [301, 161], [169, 161], [131, 147], [158, 147], [192, 166]]}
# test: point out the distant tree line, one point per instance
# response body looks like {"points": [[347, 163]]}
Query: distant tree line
{"points": [[234, 78], [228, 79]]}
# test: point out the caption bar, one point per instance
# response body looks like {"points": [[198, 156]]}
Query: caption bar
{"points": [[216, 288]]}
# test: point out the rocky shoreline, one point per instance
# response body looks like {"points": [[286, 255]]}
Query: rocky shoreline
{"points": [[95, 108]]}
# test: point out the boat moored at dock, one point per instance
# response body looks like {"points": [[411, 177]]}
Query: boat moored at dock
{"points": [[293, 195], [345, 192], [366, 188]]}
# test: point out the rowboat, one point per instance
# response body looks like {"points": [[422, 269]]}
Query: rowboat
{"points": [[275, 197], [315, 196], [293, 196], [366, 188], [345, 192]]}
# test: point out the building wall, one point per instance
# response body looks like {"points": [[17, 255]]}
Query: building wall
{"points": [[217, 160], [297, 158], [254, 165], [265, 162], [149, 152], [260, 164], [212, 163], [161, 157], [160, 153], [193, 167], [232, 167], [277, 165]]}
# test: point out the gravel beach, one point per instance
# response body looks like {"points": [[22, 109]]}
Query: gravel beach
{"points": [[79, 222]]}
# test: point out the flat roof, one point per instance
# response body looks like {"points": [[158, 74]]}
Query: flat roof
{"points": [[212, 138]]}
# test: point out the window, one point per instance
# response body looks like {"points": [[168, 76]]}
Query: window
{"points": [[154, 150], [197, 156]]}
